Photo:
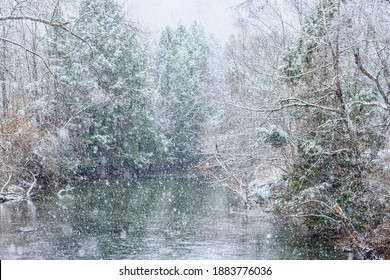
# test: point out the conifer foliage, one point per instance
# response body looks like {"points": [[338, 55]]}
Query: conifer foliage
{"points": [[183, 78], [104, 85]]}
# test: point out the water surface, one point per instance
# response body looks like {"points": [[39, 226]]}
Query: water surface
{"points": [[161, 218]]}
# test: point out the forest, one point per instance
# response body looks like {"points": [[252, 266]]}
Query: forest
{"points": [[292, 114]]}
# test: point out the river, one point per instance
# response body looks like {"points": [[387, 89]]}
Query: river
{"points": [[160, 218]]}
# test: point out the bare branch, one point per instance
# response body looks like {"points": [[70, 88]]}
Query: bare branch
{"points": [[359, 63], [6, 184], [297, 103], [313, 201], [28, 50], [65, 190], [243, 187], [82, 110], [312, 215], [302, 103], [367, 104], [61, 25], [32, 185]]}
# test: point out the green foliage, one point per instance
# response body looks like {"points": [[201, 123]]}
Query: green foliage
{"points": [[274, 136], [303, 57], [104, 87], [339, 134], [182, 79]]}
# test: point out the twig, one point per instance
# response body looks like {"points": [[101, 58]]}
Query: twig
{"points": [[312, 215], [65, 190], [312, 201], [244, 194], [28, 50], [32, 185], [6, 184], [357, 243], [359, 63]]}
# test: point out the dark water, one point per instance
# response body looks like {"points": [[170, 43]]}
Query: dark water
{"points": [[163, 218]]}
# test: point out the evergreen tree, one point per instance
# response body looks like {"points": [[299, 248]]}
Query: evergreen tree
{"points": [[183, 76], [336, 140], [104, 84]]}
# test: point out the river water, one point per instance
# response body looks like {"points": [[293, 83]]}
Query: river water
{"points": [[160, 218]]}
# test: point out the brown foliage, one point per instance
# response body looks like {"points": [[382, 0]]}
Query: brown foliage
{"points": [[19, 140]]}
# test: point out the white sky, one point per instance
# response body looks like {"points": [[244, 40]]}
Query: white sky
{"points": [[155, 15]]}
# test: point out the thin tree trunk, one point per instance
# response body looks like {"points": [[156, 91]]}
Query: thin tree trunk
{"points": [[3, 78]]}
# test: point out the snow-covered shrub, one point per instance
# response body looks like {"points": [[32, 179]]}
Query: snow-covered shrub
{"points": [[274, 135]]}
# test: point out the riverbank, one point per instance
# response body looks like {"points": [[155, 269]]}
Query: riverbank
{"points": [[304, 212], [360, 235]]}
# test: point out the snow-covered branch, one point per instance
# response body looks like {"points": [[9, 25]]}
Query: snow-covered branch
{"points": [[65, 26], [297, 103], [359, 63], [28, 50]]}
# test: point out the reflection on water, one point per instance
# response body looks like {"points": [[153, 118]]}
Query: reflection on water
{"points": [[149, 219]]}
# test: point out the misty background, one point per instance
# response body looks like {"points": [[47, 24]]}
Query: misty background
{"points": [[215, 16]]}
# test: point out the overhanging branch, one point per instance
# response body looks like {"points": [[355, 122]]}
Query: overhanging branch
{"points": [[28, 50], [65, 26], [296, 103]]}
